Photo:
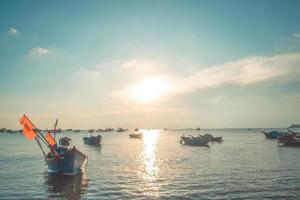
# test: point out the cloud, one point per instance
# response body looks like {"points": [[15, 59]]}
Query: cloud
{"points": [[87, 74], [296, 35], [246, 71], [38, 52], [137, 65], [13, 32]]}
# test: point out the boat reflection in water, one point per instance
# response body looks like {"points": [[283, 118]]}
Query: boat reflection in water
{"points": [[66, 187], [150, 172]]}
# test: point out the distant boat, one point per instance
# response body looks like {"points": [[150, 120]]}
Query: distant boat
{"points": [[93, 140], [274, 134], [194, 140], [294, 126], [136, 135], [121, 130], [91, 130], [104, 130], [11, 131], [77, 130], [62, 158]]}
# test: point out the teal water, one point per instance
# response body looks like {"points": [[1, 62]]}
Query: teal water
{"points": [[244, 166]]}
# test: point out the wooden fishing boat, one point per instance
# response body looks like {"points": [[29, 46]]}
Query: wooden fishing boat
{"points": [[93, 140], [62, 158], [136, 135], [121, 130], [194, 140], [274, 134], [66, 160]]}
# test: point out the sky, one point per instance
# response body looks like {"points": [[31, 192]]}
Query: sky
{"points": [[150, 64]]}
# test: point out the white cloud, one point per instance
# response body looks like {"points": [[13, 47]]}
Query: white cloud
{"points": [[246, 71], [137, 65], [243, 72], [296, 35], [38, 52], [87, 74], [13, 31]]}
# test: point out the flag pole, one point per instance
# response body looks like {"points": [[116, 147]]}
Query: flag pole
{"points": [[37, 141], [55, 126]]}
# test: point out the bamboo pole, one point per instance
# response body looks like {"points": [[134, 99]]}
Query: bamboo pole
{"points": [[37, 141]]}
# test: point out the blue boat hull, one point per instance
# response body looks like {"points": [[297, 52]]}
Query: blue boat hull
{"points": [[274, 134], [68, 162], [194, 141], [93, 140]]}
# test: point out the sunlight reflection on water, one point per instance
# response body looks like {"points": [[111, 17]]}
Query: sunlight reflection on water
{"points": [[151, 170]]}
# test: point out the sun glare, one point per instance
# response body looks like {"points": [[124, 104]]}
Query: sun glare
{"points": [[149, 89]]}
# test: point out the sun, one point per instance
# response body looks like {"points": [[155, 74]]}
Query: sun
{"points": [[149, 89]]}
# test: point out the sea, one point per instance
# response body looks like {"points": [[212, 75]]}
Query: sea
{"points": [[244, 166]]}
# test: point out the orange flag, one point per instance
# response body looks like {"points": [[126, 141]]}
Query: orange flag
{"points": [[28, 128], [50, 139]]}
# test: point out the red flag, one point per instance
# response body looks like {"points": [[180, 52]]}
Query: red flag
{"points": [[50, 139], [28, 128]]}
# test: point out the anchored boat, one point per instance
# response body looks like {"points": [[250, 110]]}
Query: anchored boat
{"points": [[93, 140], [62, 158], [136, 135], [194, 140], [274, 134], [121, 130]]}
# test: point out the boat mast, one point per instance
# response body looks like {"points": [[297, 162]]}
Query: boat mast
{"points": [[54, 130], [39, 143]]}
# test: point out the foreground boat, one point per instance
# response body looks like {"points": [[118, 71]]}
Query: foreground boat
{"points": [[136, 135], [93, 140], [62, 158], [194, 140], [274, 134], [66, 160]]}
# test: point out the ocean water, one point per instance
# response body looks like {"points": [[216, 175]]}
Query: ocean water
{"points": [[244, 166]]}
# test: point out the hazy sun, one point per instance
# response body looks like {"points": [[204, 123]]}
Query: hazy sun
{"points": [[149, 89]]}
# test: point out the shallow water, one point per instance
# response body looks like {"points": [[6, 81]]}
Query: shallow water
{"points": [[244, 166]]}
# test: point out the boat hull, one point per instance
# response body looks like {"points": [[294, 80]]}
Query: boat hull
{"points": [[69, 162], [136, 136], [93, 140], [274, 134], [194, 141]]}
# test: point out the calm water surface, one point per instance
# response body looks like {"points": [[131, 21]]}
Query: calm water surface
{"points": [[245, 166]]}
